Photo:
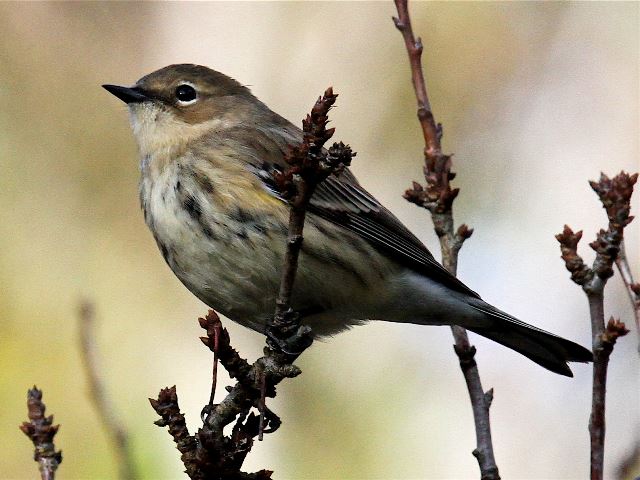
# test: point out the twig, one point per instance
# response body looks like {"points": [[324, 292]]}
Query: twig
{"points": [[105, 408], [216, 334], [309, 165], [167, 407], [438, 197], [633, 288], [210, 453], [615, 195], [41, 431]]}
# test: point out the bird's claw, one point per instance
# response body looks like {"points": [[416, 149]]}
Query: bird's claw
{"points": [[287, 340]]}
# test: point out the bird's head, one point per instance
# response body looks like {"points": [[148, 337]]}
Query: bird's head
{"points": [[180, 102]]}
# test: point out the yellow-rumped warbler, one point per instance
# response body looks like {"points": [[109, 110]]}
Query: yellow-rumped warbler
{"points": [[208, 151]]}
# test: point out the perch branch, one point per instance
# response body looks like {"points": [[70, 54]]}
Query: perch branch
{"points": [[107, 412], [41, 432], [615, 195], [210, 453], [309, 165], [437, 197]]}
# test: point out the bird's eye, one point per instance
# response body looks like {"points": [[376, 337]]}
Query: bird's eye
{"points": [[185, 94]]}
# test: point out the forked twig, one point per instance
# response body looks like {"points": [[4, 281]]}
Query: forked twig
{"points": [[615, 195], [437, 197]]}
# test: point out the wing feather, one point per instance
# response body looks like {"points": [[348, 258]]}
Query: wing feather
{"points": [[344, 202]]}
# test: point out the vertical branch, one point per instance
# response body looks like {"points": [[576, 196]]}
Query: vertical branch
{"points": [[602, 349], [210, 453], [105, 408], [41, 431], [599, 388], [615, 195], [309, 165], [633, 288], [414, 49], [437, 197]]}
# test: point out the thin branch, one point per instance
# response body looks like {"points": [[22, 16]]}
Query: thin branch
{"points": [[107, 412], [41, 432], [633, 288], [437, 197], [615, 195], [210, 453], [167, 407], [309, 165]]}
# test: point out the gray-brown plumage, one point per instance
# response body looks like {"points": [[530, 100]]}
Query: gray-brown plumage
{"points": [[208, 151]]}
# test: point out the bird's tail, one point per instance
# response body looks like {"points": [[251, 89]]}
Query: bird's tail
{"points": [[544, 348]]}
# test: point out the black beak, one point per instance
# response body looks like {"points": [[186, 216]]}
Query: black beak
{"points": [[126, 94]]}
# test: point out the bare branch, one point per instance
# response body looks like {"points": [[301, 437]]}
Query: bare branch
{"points": [[309, 165], [437, 197], [615, 195], [105, 408], [210, 453], [633, 288], [41, 431], [580, 273], [167, 407]]}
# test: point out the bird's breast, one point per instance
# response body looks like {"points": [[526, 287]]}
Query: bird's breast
{"points": [[224, 237], [211, 228]]}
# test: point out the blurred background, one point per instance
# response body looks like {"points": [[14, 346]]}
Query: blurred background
{"points": [[535, 98]]}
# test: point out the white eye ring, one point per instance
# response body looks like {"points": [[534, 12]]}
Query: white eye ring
{"points": [[186, 94]]}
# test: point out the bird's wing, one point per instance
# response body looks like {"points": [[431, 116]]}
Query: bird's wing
{"points": [[345, 203], [342, 201]]}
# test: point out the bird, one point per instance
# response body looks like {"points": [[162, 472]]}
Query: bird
{"points": [[208, 152]]}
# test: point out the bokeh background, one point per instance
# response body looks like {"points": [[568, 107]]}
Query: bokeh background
{"points": [[536, 98]]}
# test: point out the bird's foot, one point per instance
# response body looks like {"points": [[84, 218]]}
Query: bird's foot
{"points": [[285, 334]]}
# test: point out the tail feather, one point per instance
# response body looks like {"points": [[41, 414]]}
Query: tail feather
{"points": [[544, 348]]}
